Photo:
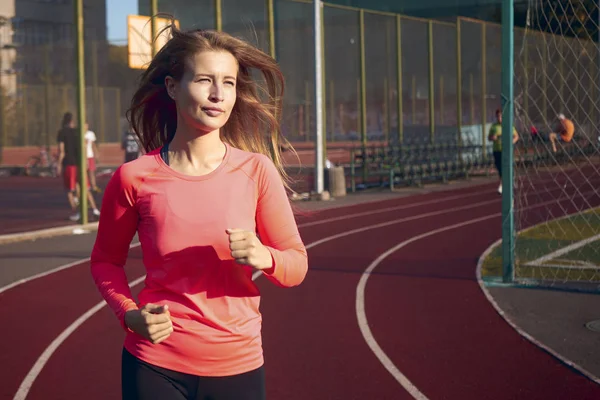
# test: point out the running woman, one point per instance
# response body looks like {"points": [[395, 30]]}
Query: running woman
{"points": [[495, 136], [209, 204]]}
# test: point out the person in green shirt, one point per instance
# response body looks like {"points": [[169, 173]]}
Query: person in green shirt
{"points": [[495, 136]]}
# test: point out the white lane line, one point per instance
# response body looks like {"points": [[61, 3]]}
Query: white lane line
{"points": [[359, 214], [407, 206], [397, 221], [395, 208], [304, 225], [43, 359], [540, 262], [362, 316], [34, 372], [49, 272], [516, 327], [39, 365], [41, 275]]}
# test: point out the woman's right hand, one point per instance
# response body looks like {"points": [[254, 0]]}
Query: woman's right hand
{"points": [[153, 322]]}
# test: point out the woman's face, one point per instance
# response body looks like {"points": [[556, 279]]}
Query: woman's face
{"points": [[206, 94]]}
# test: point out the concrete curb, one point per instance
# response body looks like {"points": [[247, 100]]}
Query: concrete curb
{"points": [[48, 233], [510, 321]]}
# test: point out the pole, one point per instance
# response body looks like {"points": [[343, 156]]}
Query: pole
{"points": [[431, 83], [25, 92], [458, 84], [484, 89], [594, 120], [2, 106], [331, 110], [95, 102], [442, 100], [414, 100], [545, 81], [388, 75], [271, 24], [323, 85], [363, 80], [363, 92], [319, 181], [386, 120], [218, 15], [472, 99], [80, 68], [399, 78], [507, 145], [153, 28], [306, 108], [47, 100], [526, 79]]}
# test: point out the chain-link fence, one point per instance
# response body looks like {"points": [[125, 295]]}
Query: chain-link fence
{"points": [[422, 81], [40, 87]]}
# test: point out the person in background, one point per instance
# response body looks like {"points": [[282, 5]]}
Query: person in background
{"points": [[564, 132], [495, 135], [535, 134], [130, 145], [92, 156]]}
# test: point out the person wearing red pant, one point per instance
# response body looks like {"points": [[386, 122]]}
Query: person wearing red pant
{"points": [[68, 156], [92, 154]]}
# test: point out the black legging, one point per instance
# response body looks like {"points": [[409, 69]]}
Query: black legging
{"points": [[143, 381], [498, 162]]}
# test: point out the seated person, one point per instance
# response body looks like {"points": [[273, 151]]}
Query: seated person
{"points": [[564, 131], [535, 134]]}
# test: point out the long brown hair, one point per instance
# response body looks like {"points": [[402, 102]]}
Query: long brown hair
{"points": [[255, 121]]}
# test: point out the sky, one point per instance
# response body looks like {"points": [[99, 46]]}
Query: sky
{"points": [[116, 18]]}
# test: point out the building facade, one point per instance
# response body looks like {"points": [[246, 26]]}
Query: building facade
{"points": [[7, 50], [44, 34]]}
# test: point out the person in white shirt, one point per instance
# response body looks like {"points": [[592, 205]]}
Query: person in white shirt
{"points": [[92, 156]]}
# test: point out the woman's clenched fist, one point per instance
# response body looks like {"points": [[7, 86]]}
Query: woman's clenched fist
{"points": [[247, 249], [152, 322]]}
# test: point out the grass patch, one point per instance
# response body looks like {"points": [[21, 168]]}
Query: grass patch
{"points": [[550, 237]]}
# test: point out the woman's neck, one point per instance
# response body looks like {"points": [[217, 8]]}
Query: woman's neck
{"points": [[194, 154]]}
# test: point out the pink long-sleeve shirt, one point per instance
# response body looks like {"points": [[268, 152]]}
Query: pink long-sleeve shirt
{"points": [[181, 222]]}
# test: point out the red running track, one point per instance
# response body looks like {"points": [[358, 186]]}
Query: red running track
{"points": [[30, 203], [423, 306]]}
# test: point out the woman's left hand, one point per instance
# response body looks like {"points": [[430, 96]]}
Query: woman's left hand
{"points": [[247, 249]]}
